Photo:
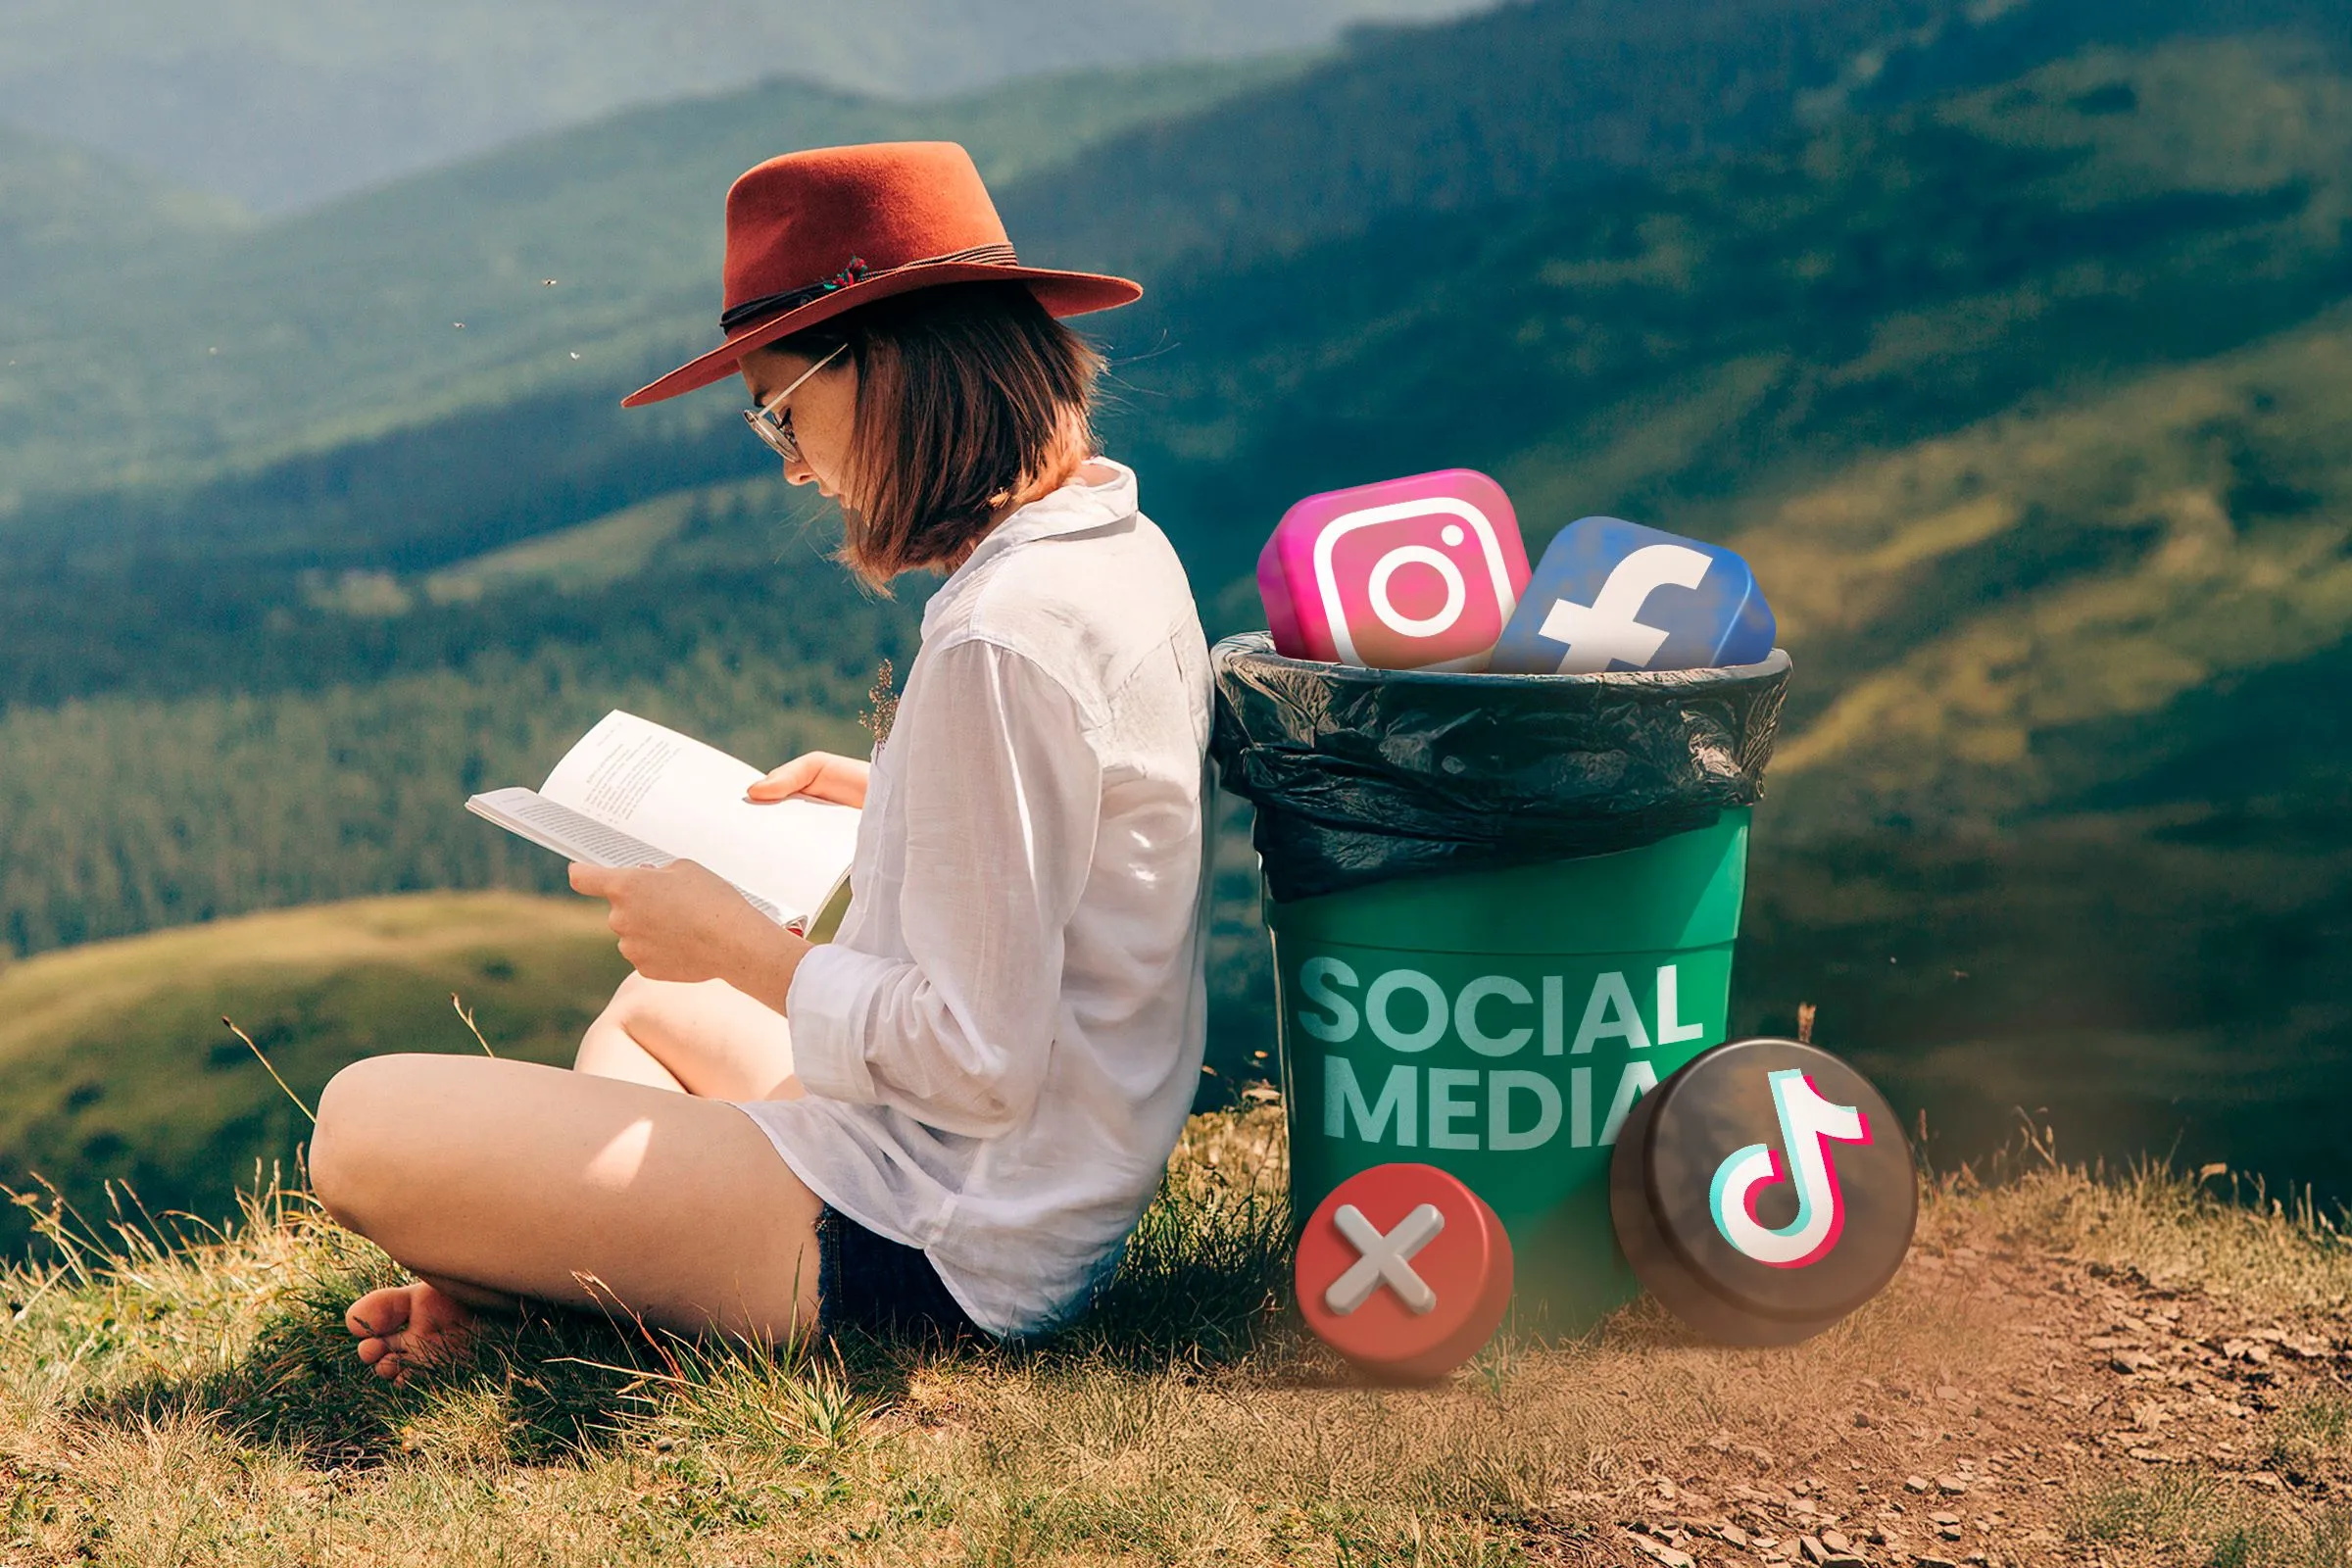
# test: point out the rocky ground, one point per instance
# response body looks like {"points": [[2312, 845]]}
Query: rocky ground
{"points": [[2097, 1414]]}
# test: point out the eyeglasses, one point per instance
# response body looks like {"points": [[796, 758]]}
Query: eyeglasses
{"points": [[772, 428]]}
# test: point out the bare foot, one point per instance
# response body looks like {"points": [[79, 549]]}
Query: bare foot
{"points": [[404, 1328]]}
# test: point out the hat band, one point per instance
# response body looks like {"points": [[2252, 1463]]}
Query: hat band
{"points": [[857, 272]]}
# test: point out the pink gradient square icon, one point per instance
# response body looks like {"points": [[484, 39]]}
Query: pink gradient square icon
{"points": [[1418, 573]]}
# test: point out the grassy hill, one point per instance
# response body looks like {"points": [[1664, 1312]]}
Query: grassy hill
{"points": [[281, 104], [2076, 846], [113, 1064]]}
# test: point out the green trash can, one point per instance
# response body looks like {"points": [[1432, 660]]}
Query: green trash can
{"points": [[1499, 1025], [1502, 907]]}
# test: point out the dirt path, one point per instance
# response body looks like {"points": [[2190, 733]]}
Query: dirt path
{"points": [[2083, 1414]]}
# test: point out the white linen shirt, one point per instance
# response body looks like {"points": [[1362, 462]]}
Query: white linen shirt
{"points": [[1001, 1045]]}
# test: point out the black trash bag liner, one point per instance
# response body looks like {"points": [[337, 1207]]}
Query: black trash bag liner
{"points": [[1362, 775]]}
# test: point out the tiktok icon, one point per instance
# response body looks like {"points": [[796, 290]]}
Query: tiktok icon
{"points": [[1809, 1124], [1702, 1210]]}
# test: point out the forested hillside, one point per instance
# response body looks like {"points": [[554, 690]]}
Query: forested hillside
{"points": [[2027, 404], [2016, 362], [1691, 347]]}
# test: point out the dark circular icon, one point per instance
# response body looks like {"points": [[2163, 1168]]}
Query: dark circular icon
{"points": [[1763, 1191], [1404, 1271]]}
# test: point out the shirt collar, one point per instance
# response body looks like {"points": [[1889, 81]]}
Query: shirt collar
{"points": [[1101, 492]]}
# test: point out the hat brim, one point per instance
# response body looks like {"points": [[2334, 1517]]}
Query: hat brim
{"points": [[1061, 294]]}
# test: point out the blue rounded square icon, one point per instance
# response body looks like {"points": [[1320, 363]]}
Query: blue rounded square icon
{"points": [[1613, 595]]}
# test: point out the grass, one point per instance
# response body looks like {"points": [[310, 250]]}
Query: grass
{"points": [[2177, 1229], [170, 1393], [70, 995], [2189, 1519], [165, 1385]]}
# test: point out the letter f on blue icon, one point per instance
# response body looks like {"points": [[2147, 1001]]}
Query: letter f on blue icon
{"points": [[1614, 595]]}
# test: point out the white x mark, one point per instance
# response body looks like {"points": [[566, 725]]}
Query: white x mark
{"points": [[1384, 1259]]}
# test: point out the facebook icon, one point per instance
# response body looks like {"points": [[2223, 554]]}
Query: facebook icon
{"points": [[1614, 595]]}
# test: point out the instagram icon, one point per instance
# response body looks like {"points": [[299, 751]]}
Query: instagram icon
{"points": [[1418, 573]]}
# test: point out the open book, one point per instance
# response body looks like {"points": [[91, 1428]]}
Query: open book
{"points": [[633, 793]]}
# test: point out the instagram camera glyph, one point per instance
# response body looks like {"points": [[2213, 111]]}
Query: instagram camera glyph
{"points": [[1418, 573]]}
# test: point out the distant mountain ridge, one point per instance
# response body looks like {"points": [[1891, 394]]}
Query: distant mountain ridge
{"points": [[1503, 106], [561, 262], [66, 210], [285, 103], [1171, 173], [1566, 94]]}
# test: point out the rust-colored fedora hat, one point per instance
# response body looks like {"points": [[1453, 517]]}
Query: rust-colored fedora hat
{"points": [[811, 234]]}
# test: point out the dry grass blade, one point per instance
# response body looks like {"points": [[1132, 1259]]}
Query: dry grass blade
{"points": [[466, 1014], [273, 1071]]}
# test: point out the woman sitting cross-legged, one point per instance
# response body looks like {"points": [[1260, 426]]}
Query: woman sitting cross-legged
{"points": [[949, 1119]]}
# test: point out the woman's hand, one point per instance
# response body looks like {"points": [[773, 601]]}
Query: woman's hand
{"points": [[819, 775], [684, 922]]}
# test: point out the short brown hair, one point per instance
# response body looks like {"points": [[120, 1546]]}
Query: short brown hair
{"points": [[967, 394]]}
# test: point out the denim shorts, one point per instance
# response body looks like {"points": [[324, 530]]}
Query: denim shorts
{"points": [[881, 1286]]}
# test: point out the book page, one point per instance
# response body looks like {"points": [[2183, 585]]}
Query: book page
{"points": [[686, 799], [557, 828]]}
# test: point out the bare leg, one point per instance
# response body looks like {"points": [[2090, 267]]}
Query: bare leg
{"points": [[494, 1179], [708, 1039], [608, 1051], [727, 1043]]}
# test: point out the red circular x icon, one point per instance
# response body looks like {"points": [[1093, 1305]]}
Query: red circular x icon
{"points": [[1404, 1271]]}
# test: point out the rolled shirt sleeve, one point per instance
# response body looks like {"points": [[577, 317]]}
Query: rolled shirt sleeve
{"points": [[1002, 792]]}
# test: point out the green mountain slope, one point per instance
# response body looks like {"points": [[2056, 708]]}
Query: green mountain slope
{"points": [[1506, 105], [2025, 405], [399, 304], [2207, 514], [1688, 348], [114, 1064], [1538, 101], [2065, 830]]}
